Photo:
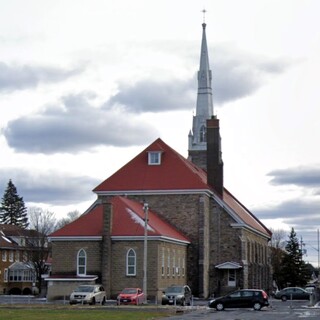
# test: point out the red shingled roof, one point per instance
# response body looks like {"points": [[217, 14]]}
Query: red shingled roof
{"points": [[127, 222], [243, 213], [87, 225], [175, 173]]}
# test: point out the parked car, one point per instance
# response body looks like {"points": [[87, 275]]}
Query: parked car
{"points": [[90, 294], [181, 295], [131, 296], [292, 293], [245, 298]]}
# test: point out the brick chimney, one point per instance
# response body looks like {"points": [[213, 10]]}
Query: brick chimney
{"points": [[214, 156]]}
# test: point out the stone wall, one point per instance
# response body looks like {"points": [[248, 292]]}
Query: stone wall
{"points": [[156, 282], [64, 255], [189, 213], [240, 245], [198, 157]]}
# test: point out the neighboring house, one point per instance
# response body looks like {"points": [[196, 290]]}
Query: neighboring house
{"points": [[17, 275], [208, 239]]}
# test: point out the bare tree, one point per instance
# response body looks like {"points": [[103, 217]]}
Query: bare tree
{"points": [[42, 223], [278, 238], [71, 216], [278, 244]]}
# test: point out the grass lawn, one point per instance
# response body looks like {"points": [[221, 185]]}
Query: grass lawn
{"points": [[53, 313]]}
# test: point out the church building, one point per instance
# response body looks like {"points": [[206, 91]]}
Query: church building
{"points": [[197, 232]]}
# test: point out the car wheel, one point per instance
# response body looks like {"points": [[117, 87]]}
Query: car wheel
{"points": [[219, 306], [257, 306], [182, 303], [284, 298], [104, 301], [93, 301]]}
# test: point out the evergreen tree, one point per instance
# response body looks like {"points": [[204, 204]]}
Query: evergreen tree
{"points": [[12, 208], [293, 271]]}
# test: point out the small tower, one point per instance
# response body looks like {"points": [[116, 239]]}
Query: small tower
{"points": [[204, 110]]}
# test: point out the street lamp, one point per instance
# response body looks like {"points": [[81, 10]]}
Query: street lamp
{"points": [[145, 249]]}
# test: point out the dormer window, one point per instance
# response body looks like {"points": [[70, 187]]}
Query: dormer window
{"points": [[154, 157]]}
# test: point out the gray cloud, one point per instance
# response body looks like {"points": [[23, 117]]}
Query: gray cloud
{"points": [[50, 187], [154, 96], [19, 77], [299, 176], [237, 75], [73, 126], [291, 210]]}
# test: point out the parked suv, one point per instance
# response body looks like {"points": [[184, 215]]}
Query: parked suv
{"points": [[177, 295], [245, 298], [90, 294]]}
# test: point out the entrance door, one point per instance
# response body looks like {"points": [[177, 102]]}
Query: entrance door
{"points": [[231, 277]]}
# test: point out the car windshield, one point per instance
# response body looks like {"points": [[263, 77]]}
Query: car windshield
{"points": [[129, 291], [85, 289], [174, 289]]}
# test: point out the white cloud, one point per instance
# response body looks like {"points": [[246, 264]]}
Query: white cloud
{"points": [[86, 85]]}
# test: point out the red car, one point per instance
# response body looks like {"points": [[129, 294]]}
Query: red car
{"points": [[131, 296]]}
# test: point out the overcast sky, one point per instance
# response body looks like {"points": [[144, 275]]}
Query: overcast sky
{"points": [[86, 85]]}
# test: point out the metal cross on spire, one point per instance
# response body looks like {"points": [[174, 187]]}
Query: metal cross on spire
{"points": [[204, 15]]}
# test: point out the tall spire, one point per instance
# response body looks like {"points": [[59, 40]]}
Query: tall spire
{"points": [[204, 107], [204, 99]]}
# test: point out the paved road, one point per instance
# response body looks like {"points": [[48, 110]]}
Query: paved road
{"points": [[278, 310]]}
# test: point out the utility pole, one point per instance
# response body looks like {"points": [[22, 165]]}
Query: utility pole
{"points": [[145, 250], [303, 251]]}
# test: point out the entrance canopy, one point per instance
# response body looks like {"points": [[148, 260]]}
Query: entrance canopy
{"points": [[228, 265]]}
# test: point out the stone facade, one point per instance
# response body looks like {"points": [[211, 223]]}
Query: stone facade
{"points": [[240, 245], [188, 214], [66, 253], [159, 273], [213, 241], [106, 263], [198, 157]]}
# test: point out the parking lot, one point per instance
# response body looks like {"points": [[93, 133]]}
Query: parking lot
{"points": [[289, 310]]}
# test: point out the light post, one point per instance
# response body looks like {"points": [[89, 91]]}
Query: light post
{"points": [[145, 249]]}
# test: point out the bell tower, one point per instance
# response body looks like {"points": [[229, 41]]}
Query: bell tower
{"points": [[197, 145]]}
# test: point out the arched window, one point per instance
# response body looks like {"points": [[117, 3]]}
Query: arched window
{"points": [[81, 263], [131, 262], [203, 134]]}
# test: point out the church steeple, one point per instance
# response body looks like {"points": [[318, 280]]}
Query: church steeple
{"points": [[204, 107], [204, 99]]}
